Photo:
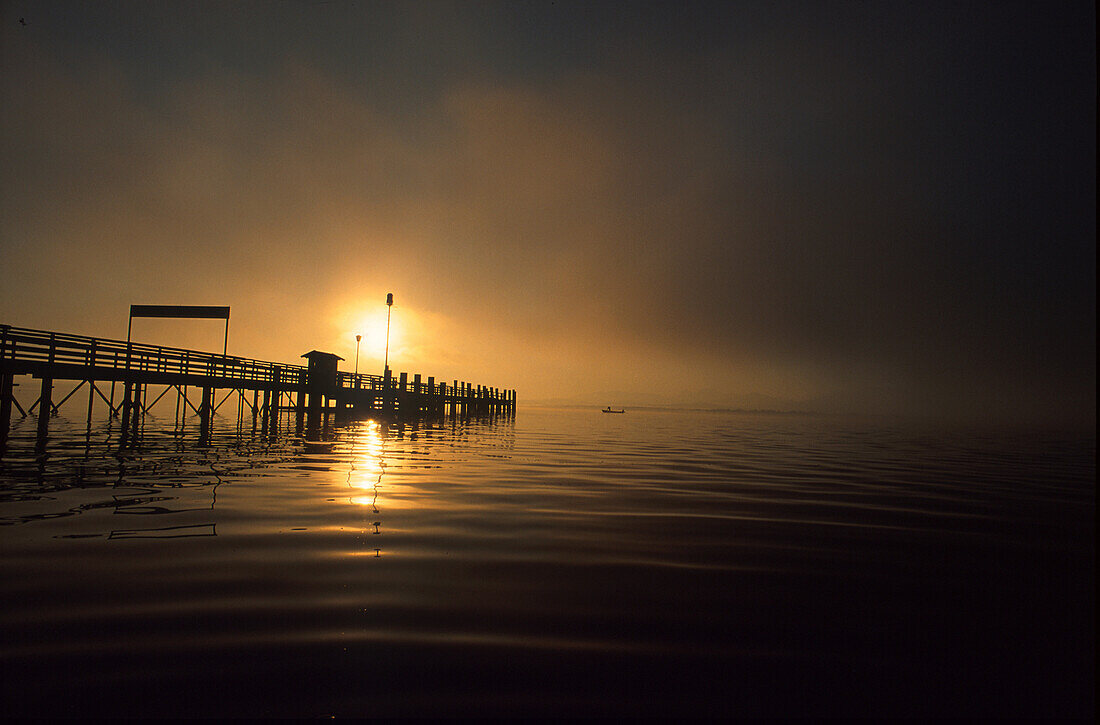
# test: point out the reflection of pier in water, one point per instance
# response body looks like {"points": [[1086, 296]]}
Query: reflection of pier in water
{"points": [[167, 487], [123, 489], [165, 532], [310, 395]]}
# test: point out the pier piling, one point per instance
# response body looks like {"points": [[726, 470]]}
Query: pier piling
{"points": [[206, 414], [45, 407], [6, 392]]}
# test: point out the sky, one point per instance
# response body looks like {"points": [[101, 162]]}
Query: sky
{"points": [[880, 207]]}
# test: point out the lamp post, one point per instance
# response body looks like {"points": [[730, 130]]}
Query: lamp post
{"points": [[357, 339], [389, 307]]}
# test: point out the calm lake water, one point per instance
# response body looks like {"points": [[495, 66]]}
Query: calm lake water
{"points": [[564, 563]]}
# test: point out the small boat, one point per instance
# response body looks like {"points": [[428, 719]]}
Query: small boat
{"points": [[609, 410]]}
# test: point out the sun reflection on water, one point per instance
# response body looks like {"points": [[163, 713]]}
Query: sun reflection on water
{"points": [[368, 463]]}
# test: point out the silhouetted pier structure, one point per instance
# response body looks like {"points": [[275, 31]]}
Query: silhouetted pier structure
{"points": [[310, 393]]}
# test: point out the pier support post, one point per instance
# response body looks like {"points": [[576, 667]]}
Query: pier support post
{"points": [[266, 412], [136, 408], [387, 393], [91, 402], [273, 413], [183, 403], [403, 394], [271, 404], [6, 384], [45, 408], [313, 415], [127, 397], [206, 413]]}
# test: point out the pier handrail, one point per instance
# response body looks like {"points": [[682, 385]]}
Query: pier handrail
{"points": [[366, 382], [26, 345]]}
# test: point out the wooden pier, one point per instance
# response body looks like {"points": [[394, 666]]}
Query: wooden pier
{"points": [[310, 394]]}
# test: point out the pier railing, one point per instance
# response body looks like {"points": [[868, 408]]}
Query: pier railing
{"points": [[41, 352], [26, 350], [362, 381]]}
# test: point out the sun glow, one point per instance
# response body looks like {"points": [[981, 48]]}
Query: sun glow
{"points": [[372, 348]]}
